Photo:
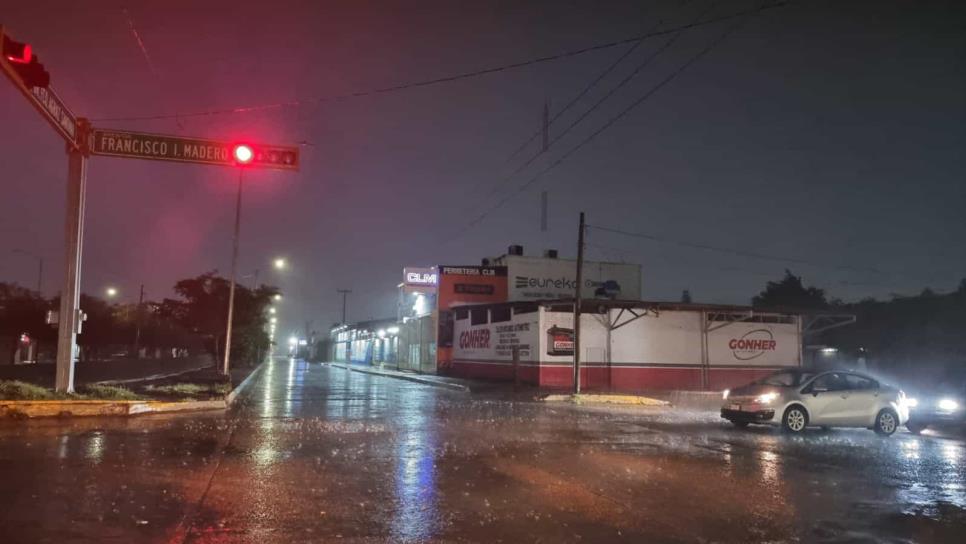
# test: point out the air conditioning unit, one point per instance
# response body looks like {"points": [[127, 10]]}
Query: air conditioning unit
{"points": [[515, 250], [550, 253]]}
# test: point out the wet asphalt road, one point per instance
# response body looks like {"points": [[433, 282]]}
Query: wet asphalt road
{"points": [[319, 454]]}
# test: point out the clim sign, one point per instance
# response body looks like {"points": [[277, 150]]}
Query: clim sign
{"points": [[420, 277]]}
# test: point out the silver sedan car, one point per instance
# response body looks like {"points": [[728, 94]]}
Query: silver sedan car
{"points": [[798, 398]]}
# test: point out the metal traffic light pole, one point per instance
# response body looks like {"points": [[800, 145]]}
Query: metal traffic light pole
{"points": [[234, 271], [70, 315]]}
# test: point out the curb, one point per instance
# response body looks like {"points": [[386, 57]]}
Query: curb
{"points": [[403, 376], [230, 397], [62, 408], [152, 377], [582, 398]]}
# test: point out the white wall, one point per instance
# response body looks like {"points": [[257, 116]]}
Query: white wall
{"points": [[771, 344], [668, 338], [495, 341]]}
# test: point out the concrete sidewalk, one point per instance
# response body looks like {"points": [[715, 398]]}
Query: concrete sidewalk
{"points": [[425, 379]]}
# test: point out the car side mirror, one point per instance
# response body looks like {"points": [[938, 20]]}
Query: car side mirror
{"points": [[816, 390]]}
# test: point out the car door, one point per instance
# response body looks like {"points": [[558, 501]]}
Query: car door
{"points": [[825, 398], [861, 401]]}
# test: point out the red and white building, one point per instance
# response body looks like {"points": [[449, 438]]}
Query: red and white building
{"points": [[625, 345]]}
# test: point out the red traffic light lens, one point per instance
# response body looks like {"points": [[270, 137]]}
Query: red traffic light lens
{"points": [[243, 154], [16, 51]]}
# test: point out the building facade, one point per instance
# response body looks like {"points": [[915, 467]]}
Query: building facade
{"points": [[629, 346]]}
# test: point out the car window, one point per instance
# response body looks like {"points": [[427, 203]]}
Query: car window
{"points": [[832, 381], [859, 383], [784, 379]]}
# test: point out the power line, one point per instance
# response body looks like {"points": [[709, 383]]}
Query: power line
{"points": [[445, 79], [732, 251], [584, 92], [698, 56], [610, 93]]}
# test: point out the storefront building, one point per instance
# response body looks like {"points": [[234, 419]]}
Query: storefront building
{"points": [[368, 342], [626, 346]]}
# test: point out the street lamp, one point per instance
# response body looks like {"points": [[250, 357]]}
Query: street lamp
{"points": [[111, 292], [277, 297], [271, 310], [280, 263]]}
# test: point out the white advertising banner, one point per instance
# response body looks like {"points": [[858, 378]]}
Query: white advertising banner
{"points": [[532, 278], [495, 341], [754, 344]]}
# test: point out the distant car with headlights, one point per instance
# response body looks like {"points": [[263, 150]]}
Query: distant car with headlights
{"points": [[799, 398], [943, 407]]}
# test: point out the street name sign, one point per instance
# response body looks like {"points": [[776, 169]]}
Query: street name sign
{"points": [[162, 147]]}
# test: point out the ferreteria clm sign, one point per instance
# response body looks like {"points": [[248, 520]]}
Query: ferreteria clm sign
{"points": [[160, 147]]}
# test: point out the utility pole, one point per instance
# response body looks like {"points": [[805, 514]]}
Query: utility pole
{"points": [[137, 327], [543, 211], [344, 293], [546, 127], [234, 269], [577, 295], [70, 314]]}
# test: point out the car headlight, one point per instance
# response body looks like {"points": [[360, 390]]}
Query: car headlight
{"points": [[911, 402], [725, 393], [766, 398], [948, 405]]}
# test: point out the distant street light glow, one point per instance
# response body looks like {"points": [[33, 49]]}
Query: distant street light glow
{"points": [[111, 292], [271, 310], [280, 264]]}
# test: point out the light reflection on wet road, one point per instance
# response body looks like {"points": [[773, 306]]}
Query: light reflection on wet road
{"points": [[320, 454]]}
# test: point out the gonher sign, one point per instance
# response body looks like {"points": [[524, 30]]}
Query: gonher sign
{"points": [[560, 341], [752, 344], [160, 147]]}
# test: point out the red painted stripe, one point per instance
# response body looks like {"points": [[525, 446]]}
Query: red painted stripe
{"points": [[619, 379]]}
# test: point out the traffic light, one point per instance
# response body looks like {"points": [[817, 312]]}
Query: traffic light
{"points": [[25, 63], [243, 154]]}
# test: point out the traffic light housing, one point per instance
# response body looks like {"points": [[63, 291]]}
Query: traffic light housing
{"points": [[26, 65]]}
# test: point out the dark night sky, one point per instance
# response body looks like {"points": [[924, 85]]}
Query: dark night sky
{"points": [[828, 132]]}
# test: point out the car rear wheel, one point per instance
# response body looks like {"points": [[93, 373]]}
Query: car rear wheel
{"points": [[886, 422], [795, 419], [915, 428]]}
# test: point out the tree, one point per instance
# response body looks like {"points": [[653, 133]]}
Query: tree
{"points": [[203, 308], [790, 293], [22, 311]]}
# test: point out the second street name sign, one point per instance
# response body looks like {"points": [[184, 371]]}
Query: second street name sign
{"points": [[161, 147]]}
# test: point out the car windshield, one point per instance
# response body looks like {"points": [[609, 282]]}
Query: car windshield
{"points": [[784, 378]]}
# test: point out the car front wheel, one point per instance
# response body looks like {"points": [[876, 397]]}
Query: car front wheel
{"points": [[886, 422], [795, 419]]}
